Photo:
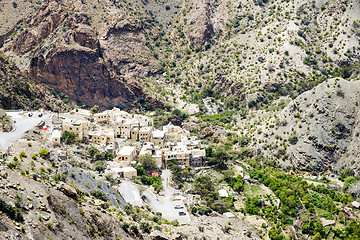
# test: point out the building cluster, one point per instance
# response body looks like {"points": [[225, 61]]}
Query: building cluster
{"points": [[129, 136]]}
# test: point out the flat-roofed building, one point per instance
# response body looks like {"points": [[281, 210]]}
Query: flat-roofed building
{"points": [[79, 127], [127, 154], [134, 133], [180, 154], [103, 137], [143, 120], [158, 138], [56, 137], [197, 157], [102, 117], [126, 172], [82, 112], [116, 113], [145, 134], [124, 126]]}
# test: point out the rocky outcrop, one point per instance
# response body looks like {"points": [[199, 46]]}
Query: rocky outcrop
{"points": [[66, 53], [124, 49], [200, 28], [6, 123], [42, 24], [68, 191], [19, 92], [81, 74]]}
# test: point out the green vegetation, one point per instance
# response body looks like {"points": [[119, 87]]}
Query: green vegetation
{"points": [[68, 137], [297, 198], [99, 195], [147, 163], [12, 212]]}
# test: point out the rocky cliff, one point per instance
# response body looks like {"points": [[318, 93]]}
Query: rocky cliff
{"points": [[19, 92], [91, 63]]}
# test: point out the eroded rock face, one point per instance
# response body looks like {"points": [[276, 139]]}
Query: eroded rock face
{"points": [[124, 49], [93, 64], [80, 73], [42, 24], [200, 28]]}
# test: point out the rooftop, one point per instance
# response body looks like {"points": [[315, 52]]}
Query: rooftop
{"points": [[157, 134], [56, 134], [127, 150]]}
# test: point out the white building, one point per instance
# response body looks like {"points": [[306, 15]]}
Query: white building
{"points": [[56, 137]]}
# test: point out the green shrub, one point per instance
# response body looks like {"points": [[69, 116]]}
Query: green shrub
{"points": [[99, 195]]}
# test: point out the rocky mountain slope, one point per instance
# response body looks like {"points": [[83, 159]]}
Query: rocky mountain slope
{"points": [[317, 131], [141, 53]]}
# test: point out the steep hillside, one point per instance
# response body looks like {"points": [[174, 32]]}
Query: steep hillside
{"points": [[317, 131], [250, 52], [17, 91]]}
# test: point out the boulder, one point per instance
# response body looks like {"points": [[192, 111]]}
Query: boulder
{"points": [[69, 192]]}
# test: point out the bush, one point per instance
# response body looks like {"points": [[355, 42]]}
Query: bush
{"points": [[145, 226], [348, 181], [12, 212], [23, 155], [293, 139], [99, 195], [68, 137], [49, 226], [44, 152]]}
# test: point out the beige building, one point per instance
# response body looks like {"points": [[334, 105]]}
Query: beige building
{"points": [[145, 134], [116, 113], [56, 137], [123, 127], [127, 154], [179, 153], [103, 137], [127, 172], [79, 127], [102, 117], [83, 112], [134, 133], [144, 120], [158, 138]]}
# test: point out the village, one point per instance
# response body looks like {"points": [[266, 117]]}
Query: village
{"points": [[129, 136]]}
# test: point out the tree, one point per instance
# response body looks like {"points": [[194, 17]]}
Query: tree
{"points": [[219, 157], [222, 205], [109, 156], [99, 166], [147, 162], [68, 137], [92, 151], [205, 188], [95, 109]]}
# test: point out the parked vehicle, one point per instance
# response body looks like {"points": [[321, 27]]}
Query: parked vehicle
{"points": [[178, 206], [182, 213]]}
